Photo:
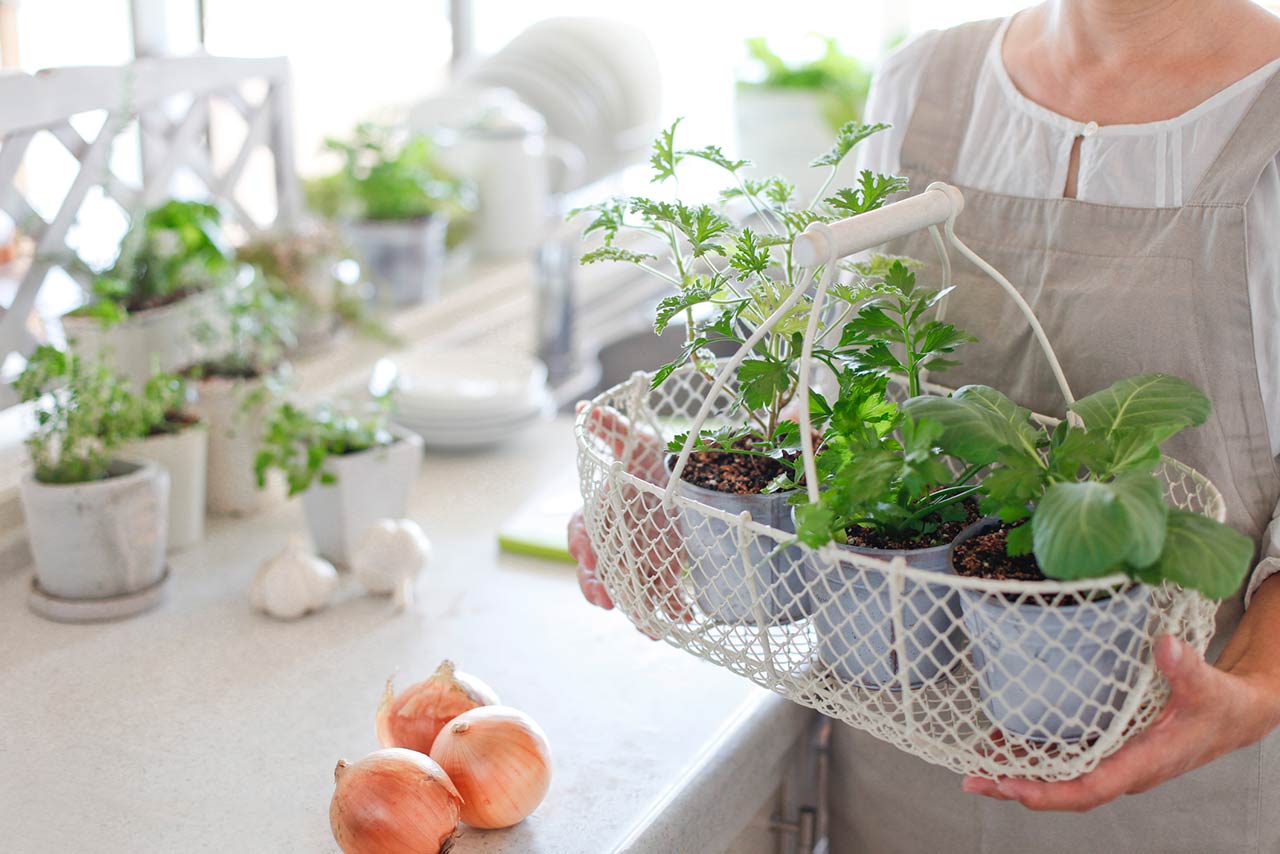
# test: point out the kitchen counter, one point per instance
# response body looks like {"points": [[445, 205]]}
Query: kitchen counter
{"points": [[204, 726]]}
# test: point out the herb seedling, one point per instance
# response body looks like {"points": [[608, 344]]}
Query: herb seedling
{"points": [[171, 252], [387, 175], [729, 277], [1088, 496], [298, 442], [83, 413], [160, 405], [251, 335]]}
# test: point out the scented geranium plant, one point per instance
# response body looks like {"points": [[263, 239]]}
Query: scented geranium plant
{"points": [[729, 264], [1084, 499]]}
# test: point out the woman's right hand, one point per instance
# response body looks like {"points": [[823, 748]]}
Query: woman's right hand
{"points": [[661, 550]]}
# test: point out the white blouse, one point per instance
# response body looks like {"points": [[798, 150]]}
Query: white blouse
{"points": [[1016, 147]]}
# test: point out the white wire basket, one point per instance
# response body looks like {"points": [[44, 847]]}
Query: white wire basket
{"points": [[986, 677]]}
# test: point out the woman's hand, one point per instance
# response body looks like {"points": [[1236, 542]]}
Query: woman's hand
{"points": [[1211, 711], [661, 549]]}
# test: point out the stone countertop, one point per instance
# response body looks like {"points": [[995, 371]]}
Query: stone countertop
{"points": [[204, 726]]}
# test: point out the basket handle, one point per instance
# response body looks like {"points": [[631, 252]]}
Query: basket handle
{"points": [[825, 244]]}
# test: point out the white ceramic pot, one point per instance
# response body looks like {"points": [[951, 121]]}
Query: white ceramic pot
{"points": [[372, 485], [162, 339], [403, 259], [236, 411], [780, 131], [184, 455], [101, 539]]}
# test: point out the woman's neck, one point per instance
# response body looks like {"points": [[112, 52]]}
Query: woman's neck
{"points": [[1109, 32]]}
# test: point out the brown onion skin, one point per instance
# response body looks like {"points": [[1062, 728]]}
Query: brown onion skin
{"points": [[415, 717], [499, 759], [393, 801]]}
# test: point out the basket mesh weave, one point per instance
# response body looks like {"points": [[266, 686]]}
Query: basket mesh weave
{"points": [[992, 678]]}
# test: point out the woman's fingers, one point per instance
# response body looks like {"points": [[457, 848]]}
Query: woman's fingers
{"points": [[641, 450]]}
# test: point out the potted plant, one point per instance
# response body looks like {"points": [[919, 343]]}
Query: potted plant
{"points": [[351, 468], [144, 308], [306, 266], [1076, 502], [235, 391], [176, 440], [728, 278], [394, 201], [887, 492], [96, 523], [782, 109]]}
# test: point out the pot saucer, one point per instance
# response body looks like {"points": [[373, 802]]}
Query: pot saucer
{"points": [[62, 610]]}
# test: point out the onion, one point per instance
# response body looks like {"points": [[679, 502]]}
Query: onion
{"points": [[499, 760], [393, 801], [415, 718]]}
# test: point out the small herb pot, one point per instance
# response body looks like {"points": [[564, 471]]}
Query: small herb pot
{"points": [[99, 540], [733, 585], [1054, 673], [236, 411], [372, 484], [184, 455], [161, 338], [853, 618], [403, 258]]}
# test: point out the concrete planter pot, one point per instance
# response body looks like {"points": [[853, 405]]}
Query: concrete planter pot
{"points": [[372, 485], [404, 259], [722, 576], [161, 339], [853, 619], [1054, 672], [185, 456], [236, 411], [100, 540]]}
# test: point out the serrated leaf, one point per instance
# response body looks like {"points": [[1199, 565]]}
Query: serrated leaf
{"points": [[714, 154], [761, 382], [1080, 530], [846, 138], [1202, 554], [1018, 542], [615, 253], [872, 192], [664, 157], [674, 305], [750, 257]]}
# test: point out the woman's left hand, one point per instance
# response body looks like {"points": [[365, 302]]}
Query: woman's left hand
{"points": [[1210, 712]]}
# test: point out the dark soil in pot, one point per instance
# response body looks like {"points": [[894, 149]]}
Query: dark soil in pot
{"points": [[944, 534], [735, 474]]}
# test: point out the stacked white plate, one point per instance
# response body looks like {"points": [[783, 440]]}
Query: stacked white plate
{"points": [[471, 398]]}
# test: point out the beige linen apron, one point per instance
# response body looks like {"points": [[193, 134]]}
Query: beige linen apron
{"points": [[1120, 291]]}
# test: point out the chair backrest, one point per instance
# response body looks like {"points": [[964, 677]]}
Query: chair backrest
{"points": [[195, 126]]}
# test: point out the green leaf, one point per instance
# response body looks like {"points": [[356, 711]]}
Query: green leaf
{"points": [[872, 192], [1019, 541], [814, 523], [615, 253], [672, 306], [980, 425], [713, 154], [1142, 498], [750, 257], [846, 138], [1080, 530], [1202, 554], [761, 382], [1159, 403], [665, 158]]}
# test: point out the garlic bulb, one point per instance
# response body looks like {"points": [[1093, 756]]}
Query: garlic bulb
{"points": [[390, 556], [293, 583]]}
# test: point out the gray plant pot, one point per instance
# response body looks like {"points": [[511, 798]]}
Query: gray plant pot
{"points": [[1054, 672], [853, 619], [99, 540], [403, 259], [767, 581]]}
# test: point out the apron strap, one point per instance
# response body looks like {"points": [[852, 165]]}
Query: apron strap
{"points": [[1255, 143], [941, 117]]}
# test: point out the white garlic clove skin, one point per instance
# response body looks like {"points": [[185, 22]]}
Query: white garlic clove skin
{"points": [[391, 553], [293, 583]]}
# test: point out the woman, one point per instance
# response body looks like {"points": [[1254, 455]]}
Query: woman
{"points": [[1119, 164]]}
